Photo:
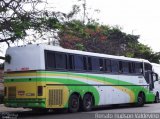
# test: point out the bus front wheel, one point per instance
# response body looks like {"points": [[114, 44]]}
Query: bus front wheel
{"points": [[73, 103], [140, 100]]}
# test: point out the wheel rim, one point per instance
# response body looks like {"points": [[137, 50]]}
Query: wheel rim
{"points": [[74, 103], [140, 100], [88, 102]]}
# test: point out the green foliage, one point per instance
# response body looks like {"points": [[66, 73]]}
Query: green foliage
{"points": [[79, 46], [15, 20], [145, 52], [104, 39], [53, 23]]}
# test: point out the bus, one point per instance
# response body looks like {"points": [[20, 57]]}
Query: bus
{"points": [[43, 77], [156, 68]]}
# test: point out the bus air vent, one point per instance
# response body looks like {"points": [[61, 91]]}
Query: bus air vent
{"points": [[55, 97], [12, 92]]}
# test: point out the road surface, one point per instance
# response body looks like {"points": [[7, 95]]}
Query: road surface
{"points": [[122, 109]]}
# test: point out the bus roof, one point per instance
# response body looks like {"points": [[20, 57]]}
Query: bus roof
{"points": [[31, 57], [60, 49]]}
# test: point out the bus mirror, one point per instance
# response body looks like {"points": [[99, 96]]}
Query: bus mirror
{"points": [[155, 76]]}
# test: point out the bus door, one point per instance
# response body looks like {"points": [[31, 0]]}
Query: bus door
{"points": [[149, 80], [154, 78], [151, 77]]}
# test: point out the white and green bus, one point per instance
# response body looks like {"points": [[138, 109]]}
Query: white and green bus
{"points": [[49, 77]]}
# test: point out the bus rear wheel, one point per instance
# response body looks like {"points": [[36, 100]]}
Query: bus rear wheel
{"points": [[140, 100], [87, 102], [73, 103]]}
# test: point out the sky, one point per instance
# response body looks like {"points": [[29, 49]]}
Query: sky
{"points": [[137, 17]]}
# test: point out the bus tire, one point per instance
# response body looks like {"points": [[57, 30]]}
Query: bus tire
{"points": [[87, 102], [73, 105], [140, 100], [157, 98]]}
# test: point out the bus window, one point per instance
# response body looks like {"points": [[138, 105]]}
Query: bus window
{"points": [[120, 67], [50, 60], [79, 62], [108, 65], [138, 68], [148, 67], [89, 63], [70, 62], [101, 65], [60, 60], [114, 65], [84, 63], [125, 67], [95, 64], [131, 67]]}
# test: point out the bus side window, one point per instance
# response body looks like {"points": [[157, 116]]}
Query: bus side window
{"points": [[60, 60], [131, 67], [71, 62], [95, 64], [79, 62], [50, 60], [125, 67], [84, 62], [108, 65], [138, 68], [148, 67], [101, 64], [120, 67], [114, 65], [89, 64]]}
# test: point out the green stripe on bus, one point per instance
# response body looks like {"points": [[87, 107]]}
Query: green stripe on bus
{"points": [[134, 89]]}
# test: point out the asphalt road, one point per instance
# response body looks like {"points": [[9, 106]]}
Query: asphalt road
{"points": [[108, 111]]}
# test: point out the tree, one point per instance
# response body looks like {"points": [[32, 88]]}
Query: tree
{"points": [[155, 57], [77, 35], [94, 37], [145, 52], [15, 20], [18, 17]]}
